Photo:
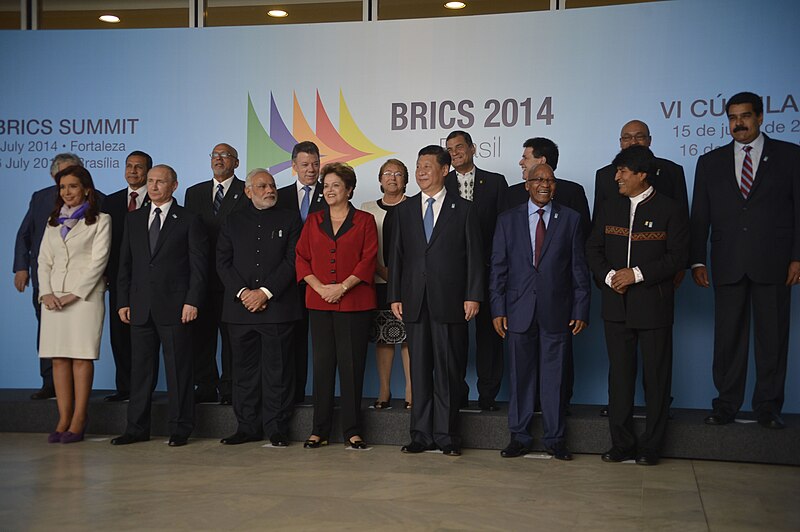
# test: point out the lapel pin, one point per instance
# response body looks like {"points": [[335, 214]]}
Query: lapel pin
{"points": [[555, 215], [452, 205], [280, 233], [236, 196], [480, 182], [648, 223], [174, 216], [766, 158]]}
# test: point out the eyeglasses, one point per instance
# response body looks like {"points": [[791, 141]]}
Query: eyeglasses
{"points": [[221, 154], [639, 137], [541, 181], [387, 173]]}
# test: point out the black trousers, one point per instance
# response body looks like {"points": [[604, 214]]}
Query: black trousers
{"points": [[206, 328], [438, 353], [263, 377], [45, 364], [300, 356], [655, 346], [339, 339], [488, 353], [120, 334], [145, 341], [770, 305]]}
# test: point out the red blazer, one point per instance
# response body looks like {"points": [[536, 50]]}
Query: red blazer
{"points": [[333, 259]]}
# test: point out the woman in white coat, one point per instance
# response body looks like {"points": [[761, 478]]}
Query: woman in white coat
{"points": [[72, 259]]}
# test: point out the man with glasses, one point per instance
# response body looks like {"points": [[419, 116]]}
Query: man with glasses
{"points": [[539, 294], [213, 200]]}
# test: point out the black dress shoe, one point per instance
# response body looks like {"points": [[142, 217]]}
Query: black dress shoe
{"points": [[771, 421], [279, 440], [45, 392], [239, 438], [451, 450], [514, 449], [416, 447], [647, 458], [128, 438], [226, 399], [117, 397], [718, 418], [177, 440], [559, 452], [604, 411], [617, 455]]}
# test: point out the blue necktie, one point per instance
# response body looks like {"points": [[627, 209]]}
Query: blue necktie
{"points": [[427, 220], [218, 198], [304, 203], [155, 228]]}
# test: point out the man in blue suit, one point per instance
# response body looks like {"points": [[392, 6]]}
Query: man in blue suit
{"points": [[26, 254], [539, 293]]}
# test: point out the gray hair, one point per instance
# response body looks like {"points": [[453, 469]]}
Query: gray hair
{"points": [[64, 157], [248, 181]]}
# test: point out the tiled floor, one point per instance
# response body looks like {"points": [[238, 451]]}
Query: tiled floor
{"points": [[207, 486]]}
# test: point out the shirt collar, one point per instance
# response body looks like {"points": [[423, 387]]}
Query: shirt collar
{"points": [[532, 207], [439, 196], [300, 186], [141, 191], [164, 208], [470, 174], [225, 184], [635, 200], [757, 144]]}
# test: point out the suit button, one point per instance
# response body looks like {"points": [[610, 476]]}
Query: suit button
{"points": [[744, 229], [333, 260], [257, 264], [258, 251], [259, 226], [333, 271], [333, 251]]}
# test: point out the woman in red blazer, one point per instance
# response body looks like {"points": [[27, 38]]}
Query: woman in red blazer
{"points": [[336, 257]]}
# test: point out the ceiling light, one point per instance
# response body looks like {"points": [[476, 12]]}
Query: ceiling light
{"points": [[455, 5], [111, 19], [277, 13]]}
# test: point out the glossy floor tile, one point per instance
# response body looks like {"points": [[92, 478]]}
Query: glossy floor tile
{"points": [[208, 486]]}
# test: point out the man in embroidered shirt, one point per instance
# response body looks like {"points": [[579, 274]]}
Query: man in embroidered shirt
{"points": [[638, 243]]}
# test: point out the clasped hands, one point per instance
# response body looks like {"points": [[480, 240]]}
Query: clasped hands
{"points": [[331, 293], [622, 279], [254, 300], [52, 302]]}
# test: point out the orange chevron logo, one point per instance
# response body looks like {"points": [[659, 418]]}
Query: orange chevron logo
{"points": [[273, 150]]}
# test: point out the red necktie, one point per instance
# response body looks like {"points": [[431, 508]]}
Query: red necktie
{"points": [[747, 172], [540, 231], [132, 202]]}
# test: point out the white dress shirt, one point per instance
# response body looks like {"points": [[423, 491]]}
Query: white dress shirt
{"points": [[226, 185], [437, 205], [164, 210], [635, 201]]}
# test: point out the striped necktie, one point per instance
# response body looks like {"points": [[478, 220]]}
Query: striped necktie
{"points": [[747, 172], [218, 198]]}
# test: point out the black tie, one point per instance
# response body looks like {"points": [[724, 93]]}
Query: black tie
{"points": [[155, 229]]}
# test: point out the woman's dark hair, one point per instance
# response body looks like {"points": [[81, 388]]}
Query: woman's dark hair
{"points": [[345, 173], [85, 179]]}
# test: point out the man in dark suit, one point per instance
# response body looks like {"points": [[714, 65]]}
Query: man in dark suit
{"points": [[213, 200], [667, 178], [162, 280], [118, 205], [255, 260], [26, 255], [640, 239], [436, 286], [304, 196], [541, 150], [487, 192], [747, 194], [540, 292]]}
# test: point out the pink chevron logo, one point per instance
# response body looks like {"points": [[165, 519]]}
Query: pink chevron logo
{"points": [[273, 150]]}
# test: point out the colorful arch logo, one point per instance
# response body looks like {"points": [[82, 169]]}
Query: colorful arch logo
{"points": [[273, 150]]}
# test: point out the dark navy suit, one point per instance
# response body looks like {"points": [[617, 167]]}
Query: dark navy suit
{"points": [[539, 303]]}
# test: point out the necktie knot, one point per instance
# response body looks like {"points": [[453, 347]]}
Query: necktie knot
{"points": [[132, 201], [157, 211], [307, 189], [540, 212], [747, 149], [134, 195], [430, 202]]}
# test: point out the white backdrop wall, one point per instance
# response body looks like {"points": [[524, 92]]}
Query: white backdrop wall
{"points": [[368, 91]]}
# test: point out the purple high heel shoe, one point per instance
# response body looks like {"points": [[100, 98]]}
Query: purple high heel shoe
{"points": [[54, 437], [72, 437]]}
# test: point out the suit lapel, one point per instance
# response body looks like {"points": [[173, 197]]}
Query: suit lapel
{"points": [[446, 213], [79, 228], [231, 197], [170, 220], [552, 226], [763, 166]]}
